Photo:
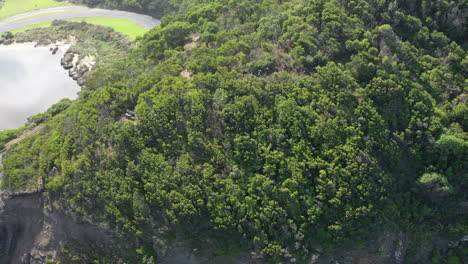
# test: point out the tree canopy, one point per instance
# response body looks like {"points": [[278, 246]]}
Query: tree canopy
{"points": [[281, 123]]}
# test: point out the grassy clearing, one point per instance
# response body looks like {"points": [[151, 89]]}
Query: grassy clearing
{"points": [[124, 26], [14, 7]]}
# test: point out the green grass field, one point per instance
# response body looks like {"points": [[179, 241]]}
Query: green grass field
{"points": [[14, 7], [124, 26], [121, 25]]}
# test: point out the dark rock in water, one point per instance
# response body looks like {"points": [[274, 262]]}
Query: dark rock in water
{"points": [[74, 74], [55, 50], [67, 61]]}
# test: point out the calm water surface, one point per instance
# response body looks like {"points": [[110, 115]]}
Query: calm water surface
{"points": [[31, 80]]}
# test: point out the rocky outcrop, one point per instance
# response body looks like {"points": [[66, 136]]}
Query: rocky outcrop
{"points": [[7, 41], [78, 69], [462, 242], [30, 233], [67, 61]]}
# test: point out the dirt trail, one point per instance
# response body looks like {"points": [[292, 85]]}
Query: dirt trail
{"points": [[25, 135]]}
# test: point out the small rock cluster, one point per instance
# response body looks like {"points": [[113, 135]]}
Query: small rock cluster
{"points": [[76, 70], [7, 38], [462, 242]]}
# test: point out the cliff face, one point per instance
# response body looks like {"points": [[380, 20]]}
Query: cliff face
{"points": [[29, 233], [21, 219]]}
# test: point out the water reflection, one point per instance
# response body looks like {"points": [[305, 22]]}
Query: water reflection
{"points": [[31, 80]]}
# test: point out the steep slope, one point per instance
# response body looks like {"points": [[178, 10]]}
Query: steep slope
{"points": [[30, 233], [276, 129]]}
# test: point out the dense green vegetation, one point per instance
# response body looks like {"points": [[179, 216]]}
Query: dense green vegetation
{"points": [[9, 134], [295, 123], [156, 8]]}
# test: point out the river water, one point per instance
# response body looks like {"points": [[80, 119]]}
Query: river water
{"points": [[31, 80]]}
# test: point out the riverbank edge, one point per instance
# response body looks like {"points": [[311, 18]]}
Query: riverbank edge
{"points": [[78, 66], [80, 43]]}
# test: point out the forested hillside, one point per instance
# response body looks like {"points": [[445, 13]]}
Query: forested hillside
{"points": [[269, 127]]}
